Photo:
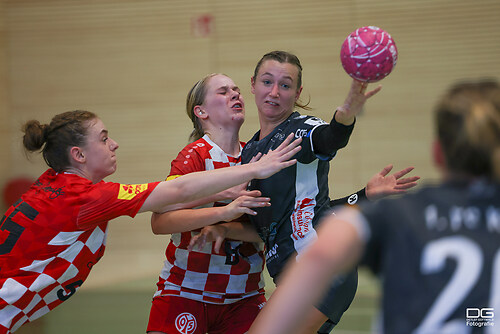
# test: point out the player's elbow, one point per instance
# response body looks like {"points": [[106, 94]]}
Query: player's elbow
{"points": [[156, 224]]}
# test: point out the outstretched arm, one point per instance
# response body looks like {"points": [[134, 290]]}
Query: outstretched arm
{"points": [[304, 281], [192, 219], [354, 102], [382, 184], [228, 194], [198, 185], [329, 139]]}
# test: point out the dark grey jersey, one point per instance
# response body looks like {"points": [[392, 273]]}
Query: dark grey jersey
{"points": [[299, 194]]}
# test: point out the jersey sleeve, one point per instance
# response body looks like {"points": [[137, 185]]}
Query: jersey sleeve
{"points": [[107, 200], [329, 138], [187, 161], [306, 126], [351, 199]]}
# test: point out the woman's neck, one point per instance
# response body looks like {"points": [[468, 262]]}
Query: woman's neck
{"points": [[82, 173], [228, 141], [268, 125]]}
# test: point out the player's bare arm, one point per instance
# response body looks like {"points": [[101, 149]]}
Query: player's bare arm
{"points": [[191, 219], [197, 185]]}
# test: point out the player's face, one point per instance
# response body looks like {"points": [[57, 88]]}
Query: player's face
{"points": [[99, 151], [223, 102], [275, 89]]}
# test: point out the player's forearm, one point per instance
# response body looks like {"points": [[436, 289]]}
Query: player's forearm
{"points": [[198, 185], [301, 286], [202, 184], [186, 220], [189, 189], [220, 196], [336, 250], [243, 231]]}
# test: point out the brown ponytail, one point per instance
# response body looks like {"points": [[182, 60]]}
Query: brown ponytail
{"points": [[55, 139]]}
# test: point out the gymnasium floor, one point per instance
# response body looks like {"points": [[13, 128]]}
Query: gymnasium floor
{"points": [[124, 308]]}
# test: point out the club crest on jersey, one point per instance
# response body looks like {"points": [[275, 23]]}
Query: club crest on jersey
{"points": [[186, 323], [129, 191]]}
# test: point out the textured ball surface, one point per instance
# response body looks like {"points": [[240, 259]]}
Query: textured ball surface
{"points": [[368, 54]]}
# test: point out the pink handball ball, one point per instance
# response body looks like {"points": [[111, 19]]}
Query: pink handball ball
{"points": [[368, 54]]}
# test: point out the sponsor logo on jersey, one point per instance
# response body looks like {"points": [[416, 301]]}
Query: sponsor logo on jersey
{"points": [[272, 253], [301, 133], [314, 121], [280, 136], [53, 192], [352, 199], [129, 191], [302, 218], [185, 323], [171, 177]]}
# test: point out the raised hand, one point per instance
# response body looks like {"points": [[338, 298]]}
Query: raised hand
{"points": [[354, 102], [382, 184], [279, 158]]}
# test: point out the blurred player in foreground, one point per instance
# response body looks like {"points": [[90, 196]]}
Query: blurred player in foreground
{"points": [[438, 250]]}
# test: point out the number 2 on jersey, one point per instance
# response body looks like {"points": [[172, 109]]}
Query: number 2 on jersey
{"points": [[469, 258]]}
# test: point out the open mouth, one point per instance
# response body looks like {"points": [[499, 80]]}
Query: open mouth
{"points": [[273, 103], [237, 106]]}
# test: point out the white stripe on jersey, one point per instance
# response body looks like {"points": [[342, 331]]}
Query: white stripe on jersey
{"points": [[303, 232]]}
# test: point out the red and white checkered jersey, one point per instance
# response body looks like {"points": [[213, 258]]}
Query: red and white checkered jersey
{"points": [[52, 237], [218, 278]]}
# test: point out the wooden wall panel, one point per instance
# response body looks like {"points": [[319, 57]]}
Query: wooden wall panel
{"points": [[132, 62], [5, 129]]}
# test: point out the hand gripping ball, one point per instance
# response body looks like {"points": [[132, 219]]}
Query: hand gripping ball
{"points": [[368, 54]]}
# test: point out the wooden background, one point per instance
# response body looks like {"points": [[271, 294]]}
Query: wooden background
{"points": [[133, 62]]}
